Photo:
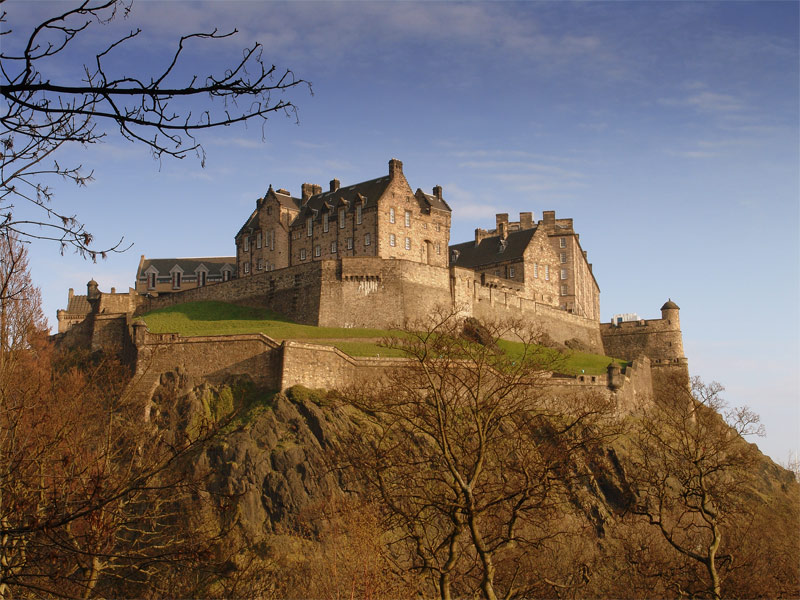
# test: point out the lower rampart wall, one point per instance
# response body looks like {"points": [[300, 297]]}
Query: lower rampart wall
{"points": [[281, 366]]}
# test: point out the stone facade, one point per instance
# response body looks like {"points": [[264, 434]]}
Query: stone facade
{"points": [[167, 275], [381, 217], [659, 339]]}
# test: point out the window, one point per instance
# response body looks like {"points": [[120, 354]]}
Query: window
{"points": [[151, 280], [438, 227], [408, 218], [246, 243], [358, 214], [176, 280], [563, 273], [392, 240], [309, 227], [438, 248], [246, 267], [408, 243], [562, 242], [547, 272], [562, 257], [325, 222], [366, 239], [272, 240], [302, 253], [260, 264], [201, 278], [226, 275], [511, 272], [341, 218], [391, 215], [317, 250], [333, 247], [269, 210], [258, 240], [349, 243], [536, 270], [563, 289]]}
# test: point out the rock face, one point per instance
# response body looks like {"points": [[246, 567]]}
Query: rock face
{"points": [[271, 462]]}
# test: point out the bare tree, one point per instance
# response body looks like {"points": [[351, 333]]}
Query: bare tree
{"points": [[691, 471], [467, 449], [44, 113]]}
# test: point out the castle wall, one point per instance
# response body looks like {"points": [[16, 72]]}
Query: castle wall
{"points": [[292, 292], [658, 339], [211, 358]]}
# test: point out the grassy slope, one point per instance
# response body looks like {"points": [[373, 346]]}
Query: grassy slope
{"points": [[220, 318]]}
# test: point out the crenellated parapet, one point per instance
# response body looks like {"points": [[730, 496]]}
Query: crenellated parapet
{"points": [[660, 340]]}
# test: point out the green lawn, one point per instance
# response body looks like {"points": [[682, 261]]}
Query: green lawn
{"points": [[221, 318]]}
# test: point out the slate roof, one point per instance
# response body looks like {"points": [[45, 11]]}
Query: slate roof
{"points": [[214, 264], [284, 200], [370, 190], [79, 305], [436, 202], [489, 252]]}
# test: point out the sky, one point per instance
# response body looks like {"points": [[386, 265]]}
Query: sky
{"points": [[668, 131]]}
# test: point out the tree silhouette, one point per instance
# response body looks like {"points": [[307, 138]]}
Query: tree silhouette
{"points": [[44, 113]]}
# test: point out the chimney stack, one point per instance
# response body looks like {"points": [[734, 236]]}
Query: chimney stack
{"points": [[500, 218], [437, 192], [335, 183], [395, 168], [549, 217], [526, 220], [308, 190]]}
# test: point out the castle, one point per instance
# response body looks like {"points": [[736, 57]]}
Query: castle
{"points": [[378, 254]]}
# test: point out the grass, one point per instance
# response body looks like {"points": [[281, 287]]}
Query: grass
{"points": [[221, 318]]}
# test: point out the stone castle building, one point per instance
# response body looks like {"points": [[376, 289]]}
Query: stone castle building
{"points": [[378, 254]]}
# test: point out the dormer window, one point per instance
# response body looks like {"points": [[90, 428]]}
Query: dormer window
{"points": [[176, 280], [226, 275], [201, 278], [151, 280], [502, 247]]}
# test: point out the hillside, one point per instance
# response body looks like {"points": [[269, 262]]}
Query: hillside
{"points": [[302, 524]]}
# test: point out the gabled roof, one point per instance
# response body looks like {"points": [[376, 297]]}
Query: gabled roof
{"points": [[282, 197], [367, 192], [489, 251], [214, 264], [285, 200], [79, 305], [433, 201]]}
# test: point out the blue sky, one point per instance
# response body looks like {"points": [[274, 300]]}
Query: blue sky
{"points": [[668, 131]]}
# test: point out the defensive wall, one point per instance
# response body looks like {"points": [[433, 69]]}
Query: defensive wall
{"points": [[379, 293], [280, 366], [660, 339]]}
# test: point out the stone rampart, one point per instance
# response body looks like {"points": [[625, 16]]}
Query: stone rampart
{"points": [[658, 339]]}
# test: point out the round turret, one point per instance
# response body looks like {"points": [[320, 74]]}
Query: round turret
{"points": [[671, 313]]}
